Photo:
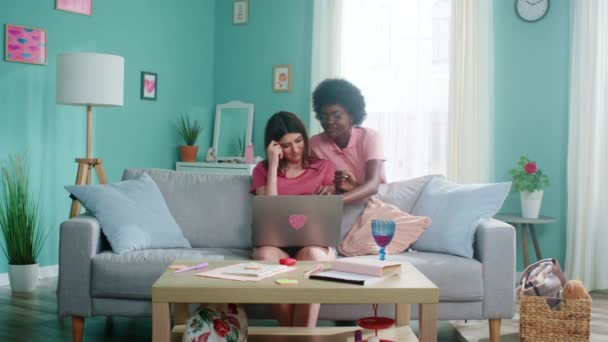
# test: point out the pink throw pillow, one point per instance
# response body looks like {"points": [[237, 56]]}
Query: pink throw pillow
{"points": [[408, 228]]}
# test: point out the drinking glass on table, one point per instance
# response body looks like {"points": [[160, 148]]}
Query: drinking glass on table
{"points": [[383, 232]]}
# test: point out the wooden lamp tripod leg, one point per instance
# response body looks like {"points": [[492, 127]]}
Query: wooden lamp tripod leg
{"points": [[84, 175], [81, 177], [86, 166]]}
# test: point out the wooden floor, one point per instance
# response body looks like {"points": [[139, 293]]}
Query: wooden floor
{"points": [[34, 318]]}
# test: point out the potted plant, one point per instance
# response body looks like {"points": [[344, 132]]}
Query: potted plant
{"points": [[189, 130], [530, 181], [22, 237]]}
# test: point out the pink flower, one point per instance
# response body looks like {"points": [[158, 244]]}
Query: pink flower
{"points": [[221, 328], [530, 168]]}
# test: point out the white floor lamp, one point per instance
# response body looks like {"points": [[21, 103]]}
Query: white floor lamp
{"points": [[89, 79]]}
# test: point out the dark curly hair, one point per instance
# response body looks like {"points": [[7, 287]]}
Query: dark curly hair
{"points": [[281, 123], [338, 91]]}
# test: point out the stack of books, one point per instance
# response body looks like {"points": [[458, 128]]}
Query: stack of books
{"points": [[359, 271]]}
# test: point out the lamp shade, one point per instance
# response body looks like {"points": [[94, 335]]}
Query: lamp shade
{"points": [[90, 79]]}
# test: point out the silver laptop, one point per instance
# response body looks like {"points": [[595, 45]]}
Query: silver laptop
{"points": [[297, 221]]}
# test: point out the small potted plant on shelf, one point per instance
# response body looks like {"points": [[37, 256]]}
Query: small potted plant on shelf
{"points": [[530, 181], [22, 237], [189, 130]]}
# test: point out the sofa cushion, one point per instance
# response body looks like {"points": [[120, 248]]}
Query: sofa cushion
{"points": [[132, 213], [404, 194], [458, 279], [131, 275], [214, 211], [456, 211], [360, 240]]}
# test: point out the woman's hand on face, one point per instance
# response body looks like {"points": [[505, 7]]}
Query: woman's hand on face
{"points": [[325, 190], [345, 181], [275, 153]]}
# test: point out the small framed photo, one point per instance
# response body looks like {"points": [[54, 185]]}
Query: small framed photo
{"points": [[240, 12], [84, 7], [149, 85], [281, 78], [25, 44]]}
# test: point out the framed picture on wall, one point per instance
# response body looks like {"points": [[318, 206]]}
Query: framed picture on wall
{"points": [[25, 44], [84, 7], [240, 11], [281, 78], [149, 85]]}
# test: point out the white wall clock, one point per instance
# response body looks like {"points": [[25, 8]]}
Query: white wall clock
{"points": [[531, 10]]}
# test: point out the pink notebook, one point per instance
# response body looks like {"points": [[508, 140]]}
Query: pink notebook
{"points": [[228, 272], [370, 267]]}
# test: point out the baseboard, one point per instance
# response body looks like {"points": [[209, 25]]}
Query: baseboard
{"points": [[45, 272]]}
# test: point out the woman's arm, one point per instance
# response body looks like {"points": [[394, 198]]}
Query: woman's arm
{"points": [[275, 154], [373, 172]]}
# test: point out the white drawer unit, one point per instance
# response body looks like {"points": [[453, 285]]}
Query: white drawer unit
{"points": [[216, 168]]}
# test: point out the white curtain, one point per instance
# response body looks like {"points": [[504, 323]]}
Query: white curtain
{"points": [[326, 36], [470, 135], [397, 52], [587, 152]]}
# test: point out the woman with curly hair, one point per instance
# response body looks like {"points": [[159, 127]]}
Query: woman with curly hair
{"points": [[356, 152]]}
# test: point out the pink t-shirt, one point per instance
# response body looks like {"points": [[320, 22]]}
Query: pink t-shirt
{"points": [[364, 144], [320, 172]]}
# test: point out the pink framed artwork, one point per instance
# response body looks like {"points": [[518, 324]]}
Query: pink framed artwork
{"points": [[84, 7], [149, 85], [281, 78], [25, 44]]}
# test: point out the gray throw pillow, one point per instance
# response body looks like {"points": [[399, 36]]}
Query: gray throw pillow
{"points": [[133, 214], [405, 193]]}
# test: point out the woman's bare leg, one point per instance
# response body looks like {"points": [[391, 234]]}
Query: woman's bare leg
{"points": [[306, 315], [283, 312]]}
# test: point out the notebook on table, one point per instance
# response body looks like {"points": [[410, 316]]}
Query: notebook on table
{"points": [[296, 221], [348, 277]]}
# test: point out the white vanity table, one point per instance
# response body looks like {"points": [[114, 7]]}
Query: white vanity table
{"points": [[216, 168], [233, 130]]}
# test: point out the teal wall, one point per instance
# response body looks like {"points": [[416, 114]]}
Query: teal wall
{"points": [[203, 59], [172, 38], [531, 94], [278, 32]]}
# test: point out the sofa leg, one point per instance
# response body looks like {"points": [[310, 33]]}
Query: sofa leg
{"points": [[494, 329], [77, 328]]}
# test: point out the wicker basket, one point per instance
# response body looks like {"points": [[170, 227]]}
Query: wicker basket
{"points": [[569, 322]]}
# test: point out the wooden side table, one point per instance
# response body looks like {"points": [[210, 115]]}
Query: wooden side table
{"points": [[524, 223]]}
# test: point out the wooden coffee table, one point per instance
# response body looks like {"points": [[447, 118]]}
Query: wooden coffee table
{"points": [[410, 287]]}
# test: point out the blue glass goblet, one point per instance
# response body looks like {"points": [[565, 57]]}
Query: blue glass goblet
{"points": [[383, 231]]}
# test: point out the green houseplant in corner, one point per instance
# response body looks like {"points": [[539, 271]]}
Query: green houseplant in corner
{"points": [[22, 237], [530, 181], [189, 130]]}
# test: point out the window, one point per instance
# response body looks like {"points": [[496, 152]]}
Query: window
{"points": [[397, 52]]}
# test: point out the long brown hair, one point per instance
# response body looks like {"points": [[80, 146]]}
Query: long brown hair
{"points": [[282, 123]]}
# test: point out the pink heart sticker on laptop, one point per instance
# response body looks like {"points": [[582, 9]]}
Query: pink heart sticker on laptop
{"points": [[297, 221]]}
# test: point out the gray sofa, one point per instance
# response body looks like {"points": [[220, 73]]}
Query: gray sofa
{"points": [[214, 212]]}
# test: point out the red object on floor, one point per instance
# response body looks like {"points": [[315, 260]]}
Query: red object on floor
{"points": [[375, 323], [287, 261]]}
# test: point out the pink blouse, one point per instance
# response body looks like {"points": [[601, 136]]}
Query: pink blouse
{"points": [[364, 144], [320, 172]]}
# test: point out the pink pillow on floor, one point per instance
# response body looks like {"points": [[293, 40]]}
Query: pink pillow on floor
{"points": [[408, 228]]}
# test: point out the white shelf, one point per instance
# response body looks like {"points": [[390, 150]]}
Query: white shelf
{"points": [[216, 168]]}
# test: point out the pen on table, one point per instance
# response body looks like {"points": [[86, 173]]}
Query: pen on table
{"points": [[195, 267], [318, 267]]}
